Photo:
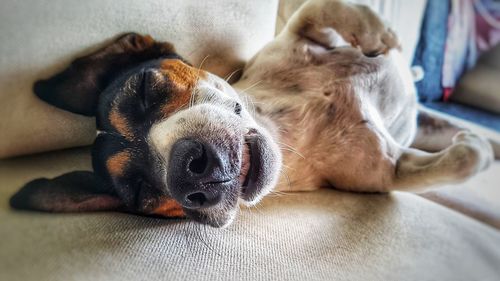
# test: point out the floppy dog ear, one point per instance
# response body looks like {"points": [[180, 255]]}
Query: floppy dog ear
{"points": [[77, 88], [78, 191]]}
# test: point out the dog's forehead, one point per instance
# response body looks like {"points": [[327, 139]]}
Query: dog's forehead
{"points": [[171, 84], [183, 79], [182, 75]]}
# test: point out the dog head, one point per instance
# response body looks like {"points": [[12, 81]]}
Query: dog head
{"points": [[172, 140]]}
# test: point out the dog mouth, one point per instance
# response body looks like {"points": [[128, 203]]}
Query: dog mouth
{"points": [[250, 166], [245, 166]]}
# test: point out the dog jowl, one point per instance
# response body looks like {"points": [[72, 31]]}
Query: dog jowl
{"points": [[172, 140]]}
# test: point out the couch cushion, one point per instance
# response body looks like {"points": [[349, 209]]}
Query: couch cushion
{"points": [[480, 86], [320, 235], [41, 37]]}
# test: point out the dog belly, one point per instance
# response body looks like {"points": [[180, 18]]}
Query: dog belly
{"points": [[343, 149], [335, 116]]}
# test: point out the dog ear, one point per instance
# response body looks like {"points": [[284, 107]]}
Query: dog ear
{"points": [[77, 88], [79, 191]]}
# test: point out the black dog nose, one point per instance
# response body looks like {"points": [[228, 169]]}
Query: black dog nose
{"points": [[194, 172], [195, 160]]}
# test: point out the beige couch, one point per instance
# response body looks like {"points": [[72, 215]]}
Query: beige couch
{"points": [[322, 235]]}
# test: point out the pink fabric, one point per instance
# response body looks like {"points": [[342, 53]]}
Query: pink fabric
{"points": [[487, 24], [461, 52], [473, 28]]}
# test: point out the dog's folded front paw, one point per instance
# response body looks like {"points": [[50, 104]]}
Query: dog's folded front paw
{"points": [[374, 37]]}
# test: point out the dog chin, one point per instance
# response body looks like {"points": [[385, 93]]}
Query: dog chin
{"points": [[213, 218]]}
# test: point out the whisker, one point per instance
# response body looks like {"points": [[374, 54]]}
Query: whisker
{"points": [[250, 210], [256, 102], [186, 235], [191, 99], [231, 75], [249, 102], [277, 194], [280, 193], [287, 145], [288, 167], [200, 238], [287, 177], [292, 151], [255, 207], [244, 91], [201, 64], [211, 248]]}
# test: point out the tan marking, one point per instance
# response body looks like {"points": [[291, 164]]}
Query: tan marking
{"points": [[182, 75], [173, 105], [117, 163], [184, 79], [169, 208], [148, 40], [120, 123], [141, 42]]}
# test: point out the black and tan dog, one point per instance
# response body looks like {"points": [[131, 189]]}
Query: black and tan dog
{"points": [[330, 98]]}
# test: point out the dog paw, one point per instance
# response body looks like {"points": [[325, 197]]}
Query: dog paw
{"points": [[470, 154], [374, 43], [370, 34]]}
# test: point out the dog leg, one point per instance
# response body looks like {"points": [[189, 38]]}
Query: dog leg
{"points": [[417, 170], [436, 133], [333, 23]]}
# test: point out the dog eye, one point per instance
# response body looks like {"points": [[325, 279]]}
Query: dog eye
{"points": [[237, 108]]}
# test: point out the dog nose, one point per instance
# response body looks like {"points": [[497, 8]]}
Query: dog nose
{"points": [[200, 199], [194, 173]]}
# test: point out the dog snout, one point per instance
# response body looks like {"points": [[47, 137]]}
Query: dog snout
{"points": [[196, 174]]}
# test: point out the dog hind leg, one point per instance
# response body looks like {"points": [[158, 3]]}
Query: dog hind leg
{"points": [[436, 133], [467, 155]]}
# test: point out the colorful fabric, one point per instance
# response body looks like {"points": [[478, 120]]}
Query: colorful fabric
{"points": [[460, 50], [487, 24], [430, 49], [473, 28]]}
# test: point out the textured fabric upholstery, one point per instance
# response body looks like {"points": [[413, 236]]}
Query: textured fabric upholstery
{"points": [[40, 37], [324, 235]]}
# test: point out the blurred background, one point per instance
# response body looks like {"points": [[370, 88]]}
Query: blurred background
{"points": [[459, 54]]}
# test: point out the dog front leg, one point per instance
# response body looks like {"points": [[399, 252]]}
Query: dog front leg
{"points": [[333, 23]]}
